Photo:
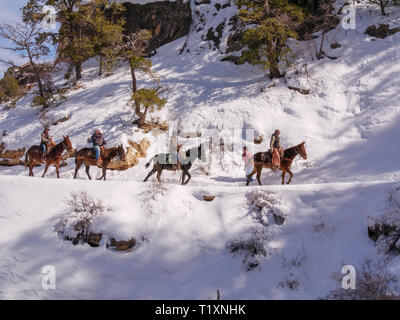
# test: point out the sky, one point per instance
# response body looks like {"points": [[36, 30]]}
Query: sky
{"points": [[10, 12]]}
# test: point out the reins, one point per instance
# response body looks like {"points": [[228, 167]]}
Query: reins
{"points": [[295, 151]]}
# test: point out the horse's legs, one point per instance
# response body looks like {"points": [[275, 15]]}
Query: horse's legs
{"points": [[87, 171], [77, 167], [291, 175], [283, 175], [30, 169], [250, 175], [150, 174], [189, 177], [183, 177], [159, 171], [259, 169], [104, 173], [45, 169], [58, 170]]}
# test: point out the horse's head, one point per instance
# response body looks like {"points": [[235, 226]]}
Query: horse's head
{"points": [[302, 150], [68, 143], [121, 152]]}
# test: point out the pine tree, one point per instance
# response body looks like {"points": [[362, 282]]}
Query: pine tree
{"points": [[75, 31], [108, 23], [145, 100], [9, 87], [132, 50], [271, 24]]}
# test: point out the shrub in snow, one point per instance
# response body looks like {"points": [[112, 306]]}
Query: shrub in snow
{"points": [[290, 281], [373, 282], [254, 248], [264, 208], [322, 228], [154, 193], [77, 224], [293, 267], [385, 231]]}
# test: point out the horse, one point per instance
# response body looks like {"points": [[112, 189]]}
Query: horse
{"points": [[288, 156], [34, 156], [161, 164], [88, 157]]}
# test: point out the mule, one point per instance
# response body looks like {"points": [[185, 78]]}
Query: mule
{"points": [[288, 156], [161, 164], [88, 157], [33, 156]]}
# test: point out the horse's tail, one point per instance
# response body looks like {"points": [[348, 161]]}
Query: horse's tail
{"points": [[148, 163]]}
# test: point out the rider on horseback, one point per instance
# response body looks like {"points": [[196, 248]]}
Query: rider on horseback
{"points": [[45, 139], [98, 141], [176, 153], [276, 150]]}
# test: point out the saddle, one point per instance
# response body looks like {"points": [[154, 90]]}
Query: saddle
{"points": [[93, 152], [266, 157], [168, 160]]}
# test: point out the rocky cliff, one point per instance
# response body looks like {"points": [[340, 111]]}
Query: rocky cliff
{"points": [[166, 20]]}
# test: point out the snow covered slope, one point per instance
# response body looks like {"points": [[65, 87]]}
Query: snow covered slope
{"points": [[349, 121], [184, 253]]}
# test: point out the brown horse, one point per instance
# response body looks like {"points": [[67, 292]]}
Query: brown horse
{"points": [[33, 156], [288, 157], [88, 157]]}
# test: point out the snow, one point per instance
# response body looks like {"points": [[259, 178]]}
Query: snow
{"points": [[349, 122]]}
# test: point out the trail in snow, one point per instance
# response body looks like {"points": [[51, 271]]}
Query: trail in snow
{"points": [[350, 122]]}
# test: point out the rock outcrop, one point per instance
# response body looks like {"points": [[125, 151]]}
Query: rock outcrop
{"points": [[11, 157], [382, 31], [166, 20], [131, 158]]}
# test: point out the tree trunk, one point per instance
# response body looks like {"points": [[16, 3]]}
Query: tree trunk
{"points": [[274, 70], [144, 115], [37, 74], [101, 66], [134, 85], [273, 62], [383, 9], [78, 71], [320, 53], [266, 7]]}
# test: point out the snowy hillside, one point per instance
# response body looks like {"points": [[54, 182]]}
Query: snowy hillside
{"points": [[349, 122]]}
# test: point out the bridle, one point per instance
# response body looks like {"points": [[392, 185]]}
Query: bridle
{"points": [[65, 144], [296, 150]]}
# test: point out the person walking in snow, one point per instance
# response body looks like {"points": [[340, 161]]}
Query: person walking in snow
{"points": [[276, 150], [247, 158], [98, 142], [45, 139]]}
